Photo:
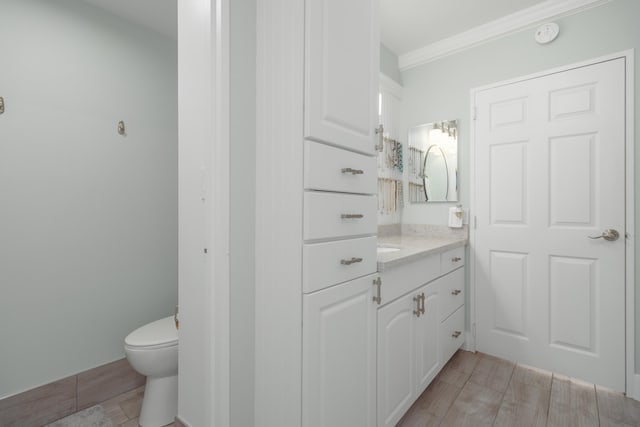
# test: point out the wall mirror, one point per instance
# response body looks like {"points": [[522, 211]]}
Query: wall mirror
{"points": [[432, 162]]}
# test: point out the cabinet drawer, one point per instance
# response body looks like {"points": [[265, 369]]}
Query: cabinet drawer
{"points": [[325, 264], [404, 278], [333, 169], [452, 334], [452, 288], [330, 215], [452, 259]]}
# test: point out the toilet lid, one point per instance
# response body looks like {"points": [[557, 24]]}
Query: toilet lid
{"points": [[161, 332]]}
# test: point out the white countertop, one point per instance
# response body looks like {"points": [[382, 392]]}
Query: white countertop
{"points": [[413, 247]]}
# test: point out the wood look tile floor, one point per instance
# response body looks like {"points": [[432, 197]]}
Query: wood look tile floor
{"points": [[124, 409], [477, 390]]}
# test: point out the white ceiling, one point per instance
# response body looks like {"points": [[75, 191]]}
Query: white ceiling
{"points": [[158, 15], [407, 25]]}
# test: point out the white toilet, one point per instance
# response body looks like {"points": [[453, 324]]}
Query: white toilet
{"points": [[152, 350]]}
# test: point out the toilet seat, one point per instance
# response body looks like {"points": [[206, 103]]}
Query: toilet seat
{"points": [[155, 335]]}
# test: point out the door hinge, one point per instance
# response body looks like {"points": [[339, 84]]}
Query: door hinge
{"points": [[475, 222], [380, 133], [475, 113], [473, 330]]}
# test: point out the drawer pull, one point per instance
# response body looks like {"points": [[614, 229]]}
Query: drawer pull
{"points": [[456, 259], [378, 284], [456, 292], [352, 171], [456, 334], [351, 216], [350, 261]]}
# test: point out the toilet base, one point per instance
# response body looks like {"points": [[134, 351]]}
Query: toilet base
{"points": [[160, 402]]}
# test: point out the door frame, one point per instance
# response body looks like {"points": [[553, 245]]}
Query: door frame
{"points": [[632, 379], [203, 219]]}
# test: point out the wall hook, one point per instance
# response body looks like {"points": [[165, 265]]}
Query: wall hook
{"points": [[121, 128], [1, 105]]}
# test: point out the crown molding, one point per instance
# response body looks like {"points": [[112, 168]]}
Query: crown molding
{"points": [[550, 9]]}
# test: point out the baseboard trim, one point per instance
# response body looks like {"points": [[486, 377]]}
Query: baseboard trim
{"points": [[469, 342], [633, 389], [180, 422]]}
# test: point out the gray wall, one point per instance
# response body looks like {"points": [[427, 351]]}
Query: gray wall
{"points": [[596, 32], [88, 221], [389, 64], [242, 132]]}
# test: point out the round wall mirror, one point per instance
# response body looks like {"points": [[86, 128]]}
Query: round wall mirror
{"points": [[436, 174]]}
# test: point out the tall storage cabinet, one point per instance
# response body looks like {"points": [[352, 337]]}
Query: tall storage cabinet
{"points": [[316, 225]]}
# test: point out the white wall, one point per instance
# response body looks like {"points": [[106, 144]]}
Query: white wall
{"points": [[440, 90], [88, 220], [389, 64]]}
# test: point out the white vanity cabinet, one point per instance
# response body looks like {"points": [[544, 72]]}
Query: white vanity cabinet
{"points": [[408, 353], [420, 326]]}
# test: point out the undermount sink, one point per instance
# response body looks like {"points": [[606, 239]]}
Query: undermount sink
{"points": [[385, 250]]}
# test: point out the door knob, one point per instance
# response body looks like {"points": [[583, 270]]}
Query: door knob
{"points": [[609, 234]]}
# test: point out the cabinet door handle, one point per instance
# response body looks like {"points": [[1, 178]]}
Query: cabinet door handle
{"points": [[422, 303], [456, 259], [351, 216], [418, 310], [352, 171], [456, 292], [378, 284], [350, 261], [456, 334]]}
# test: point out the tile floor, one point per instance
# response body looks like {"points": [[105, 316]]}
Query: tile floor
{"points": [[124, 409], [477, 390]]}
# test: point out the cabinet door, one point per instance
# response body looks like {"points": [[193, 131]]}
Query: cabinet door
{"points": [[426, 338], [341, 73], [396, 344], [339, 356]]}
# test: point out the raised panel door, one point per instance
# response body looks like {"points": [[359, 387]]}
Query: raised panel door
{"points": [[427, 352], [550, 173], [396, 358], [341, 73], [339, 356]]}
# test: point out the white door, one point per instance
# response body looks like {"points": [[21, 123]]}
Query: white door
{"points": [[339, 356], [341, 73], [550, 173]]}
